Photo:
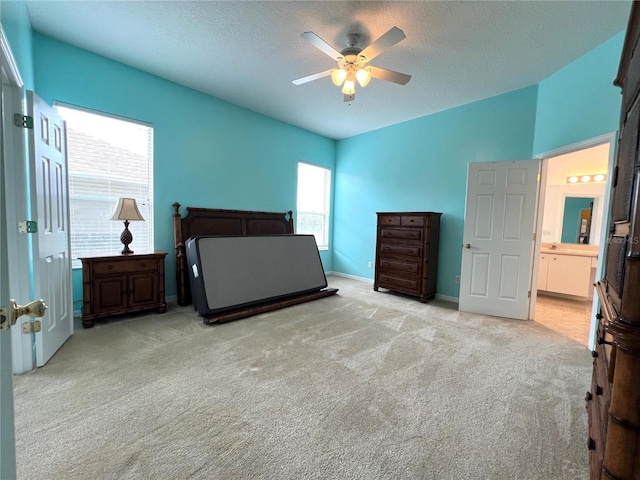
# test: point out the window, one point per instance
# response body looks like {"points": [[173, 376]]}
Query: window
{"points": [[314, 199], [108, 158]]}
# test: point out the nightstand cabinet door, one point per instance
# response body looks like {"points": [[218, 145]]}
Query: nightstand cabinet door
{"points": [[122, 284], [110, 294], [143, 289]]}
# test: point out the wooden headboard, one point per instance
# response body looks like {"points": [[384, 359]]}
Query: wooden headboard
{"points": [[213, 221]]}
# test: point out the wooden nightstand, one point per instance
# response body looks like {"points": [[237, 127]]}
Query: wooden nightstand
{"points": [[122, 284]]}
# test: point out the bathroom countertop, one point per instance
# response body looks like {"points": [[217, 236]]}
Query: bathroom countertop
{"points": [[568, 251]]}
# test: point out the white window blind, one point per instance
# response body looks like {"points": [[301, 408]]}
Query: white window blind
{"points": [[314, 202], [108, 158]]}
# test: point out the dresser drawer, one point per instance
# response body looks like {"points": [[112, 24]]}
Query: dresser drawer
{"points": [[389, 248], [393, 264], [142, 265], [402, 233], [412, 221], [386, 280], [388, 219]]}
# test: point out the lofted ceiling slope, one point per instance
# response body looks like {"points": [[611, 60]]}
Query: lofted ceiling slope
{"points": [[248, 52]]}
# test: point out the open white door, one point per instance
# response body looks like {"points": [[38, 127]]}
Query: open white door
{"points": [[498, 238], [49, 195]]}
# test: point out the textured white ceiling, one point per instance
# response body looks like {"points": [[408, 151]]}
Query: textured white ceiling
{"points": [[249, 52]]}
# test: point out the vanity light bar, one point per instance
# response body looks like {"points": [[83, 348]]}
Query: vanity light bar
{"points": [[599, 177]]}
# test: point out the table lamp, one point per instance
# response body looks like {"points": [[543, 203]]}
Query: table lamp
{"points": [[127, 210]]}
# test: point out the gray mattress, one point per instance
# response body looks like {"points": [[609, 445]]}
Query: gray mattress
{"points": [[228, 272]]}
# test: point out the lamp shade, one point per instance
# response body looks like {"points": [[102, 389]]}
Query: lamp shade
{"points": [[127, 209]]}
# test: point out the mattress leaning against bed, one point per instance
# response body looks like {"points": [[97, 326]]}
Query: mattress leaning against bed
{"points": [[235, 277]]}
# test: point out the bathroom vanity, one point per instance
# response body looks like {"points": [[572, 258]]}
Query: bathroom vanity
{"points": [[567, 271]]}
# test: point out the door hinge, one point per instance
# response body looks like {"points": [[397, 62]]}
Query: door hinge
{"points": [[534, 236], [22, 121], [33, 326], [529, 294], [27, 226]]}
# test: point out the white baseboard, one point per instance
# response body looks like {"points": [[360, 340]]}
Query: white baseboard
{"points": [[444, 298], [352, 277], [447, 298]]}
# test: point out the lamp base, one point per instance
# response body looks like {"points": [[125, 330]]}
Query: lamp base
{"points": [[126, 238]]}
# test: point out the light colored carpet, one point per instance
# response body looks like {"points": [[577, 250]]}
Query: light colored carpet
{"points": [[361, 385]]}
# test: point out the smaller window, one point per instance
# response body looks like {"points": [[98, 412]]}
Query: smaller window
{"points": [[314, 201]]}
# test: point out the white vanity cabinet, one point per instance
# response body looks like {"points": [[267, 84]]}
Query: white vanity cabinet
{"points": [[543, 269], [565, 273]]}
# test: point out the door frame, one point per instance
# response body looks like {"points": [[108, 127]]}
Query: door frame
{"points": [[9, 66], [612, 139], [18, 244]]}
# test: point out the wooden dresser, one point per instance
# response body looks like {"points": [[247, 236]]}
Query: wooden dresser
{"points": [[613, 403], [122, 284], [407, 253]]}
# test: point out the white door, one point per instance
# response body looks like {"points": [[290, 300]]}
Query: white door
{"points": [[7, 438], [18, 245], [498, 238], [49, 194]]}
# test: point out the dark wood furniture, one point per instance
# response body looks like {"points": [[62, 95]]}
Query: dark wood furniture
{"points": [[119, 284], [212, 221], [613, 403], [407, 253]]}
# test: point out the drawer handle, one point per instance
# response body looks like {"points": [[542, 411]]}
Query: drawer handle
{"points": [[143, 264], [110, 267]]}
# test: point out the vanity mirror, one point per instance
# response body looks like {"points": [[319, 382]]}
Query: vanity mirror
{"points": [[576, 220]]}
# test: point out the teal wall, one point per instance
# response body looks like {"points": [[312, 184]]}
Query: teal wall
{"points": [[421, 165], [579, 102], [17, 26], [234, 158], [207, 152]]}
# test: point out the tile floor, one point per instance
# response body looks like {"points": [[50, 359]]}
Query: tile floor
{"points": [[571, 318]]}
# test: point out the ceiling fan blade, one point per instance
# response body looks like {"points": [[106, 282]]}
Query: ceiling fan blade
{"points": [[311, 78], [320, 44], [348, 98], [387, 40], [390, 75]]}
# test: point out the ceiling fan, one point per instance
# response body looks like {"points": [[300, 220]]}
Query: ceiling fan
{"points": [[352, 62]]}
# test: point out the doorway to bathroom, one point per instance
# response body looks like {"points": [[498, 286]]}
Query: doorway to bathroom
{"points": [[573, 214]]}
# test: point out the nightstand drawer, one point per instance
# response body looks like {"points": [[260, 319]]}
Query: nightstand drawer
{"points": [[129, 266]]}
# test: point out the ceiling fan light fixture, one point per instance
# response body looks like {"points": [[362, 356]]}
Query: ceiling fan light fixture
{"points": [[349, 87], [363, 76], [338, 75]]}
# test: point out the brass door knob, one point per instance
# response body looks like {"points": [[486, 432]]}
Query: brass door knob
{"points": [[37, 308], [467, 245]]}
